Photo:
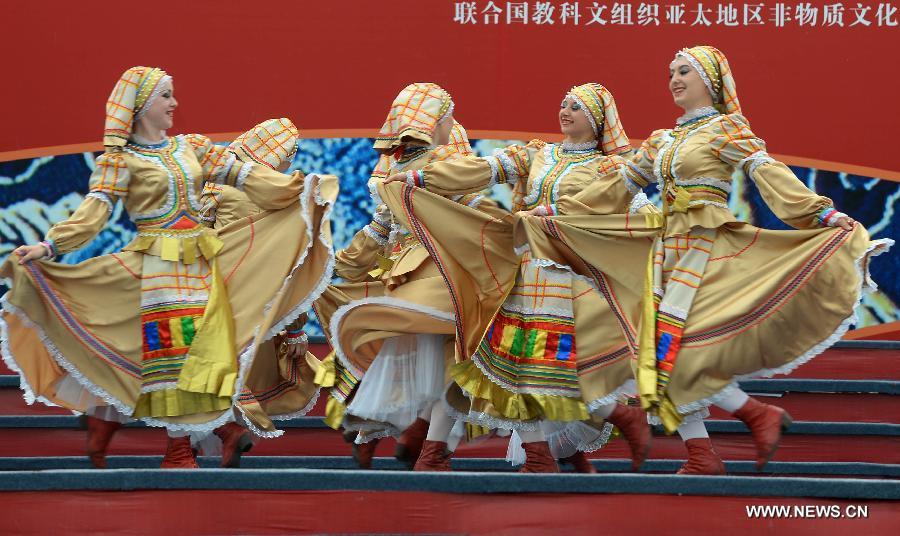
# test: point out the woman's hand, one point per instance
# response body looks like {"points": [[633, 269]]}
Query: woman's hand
{"points": [[539, 211], [846, 223], [296, 351], [296, 344], [382, 214], [30, 253], [396, 177]]}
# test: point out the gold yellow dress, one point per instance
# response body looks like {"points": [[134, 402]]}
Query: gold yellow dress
{"points": [[283, 387], [393, 296], [390, 322], [727, 300], [732, 300], [539, 336], [168, 329]]}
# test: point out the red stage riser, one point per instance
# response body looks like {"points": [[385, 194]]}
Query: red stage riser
{"points": [[851, 364], [830, 407], [347, 511], [819, 407], [873, 449], [12, 403]]}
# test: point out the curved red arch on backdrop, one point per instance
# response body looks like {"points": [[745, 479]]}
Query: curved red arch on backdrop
{"points": [[334, 66]]}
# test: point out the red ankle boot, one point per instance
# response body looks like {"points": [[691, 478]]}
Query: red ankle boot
{"points": [[179, 454], [702, 459], [766, 423], [580, 462], [632, 423], [409, 446], [434, 457], [236, 440], [99, 435], [538, 458], [364, 452]]}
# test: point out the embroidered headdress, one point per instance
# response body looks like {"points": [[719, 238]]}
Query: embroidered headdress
{"points": [[458, 145], [414, 114], [133, 94], [270, 143], [713, 68], [600, 107]]}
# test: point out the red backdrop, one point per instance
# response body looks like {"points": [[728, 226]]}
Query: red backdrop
{"points": [[815, 93]]}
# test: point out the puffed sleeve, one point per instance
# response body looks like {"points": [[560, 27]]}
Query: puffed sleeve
{"points": [[795, 204], [638, 169], [609, 193], [107, 184], [360, 257], [473, 174], [354, 262], [267, 188]]}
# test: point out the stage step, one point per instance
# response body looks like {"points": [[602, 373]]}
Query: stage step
{"points": [[713, 426], [455, 482], [11, 402], [819, 469], [844, 404], [26, 442], [796, 385]]}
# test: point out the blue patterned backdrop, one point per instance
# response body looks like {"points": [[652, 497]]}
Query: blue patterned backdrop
{"points": [[35, 193]]}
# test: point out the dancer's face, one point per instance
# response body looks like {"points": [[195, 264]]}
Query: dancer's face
{"points": [[687, 87], [573, 121], [441, 134], [161, 113]]}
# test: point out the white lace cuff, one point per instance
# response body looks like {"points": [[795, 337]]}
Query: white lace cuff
{"points": [[639, 201], [104, 197], [755, 160]]}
